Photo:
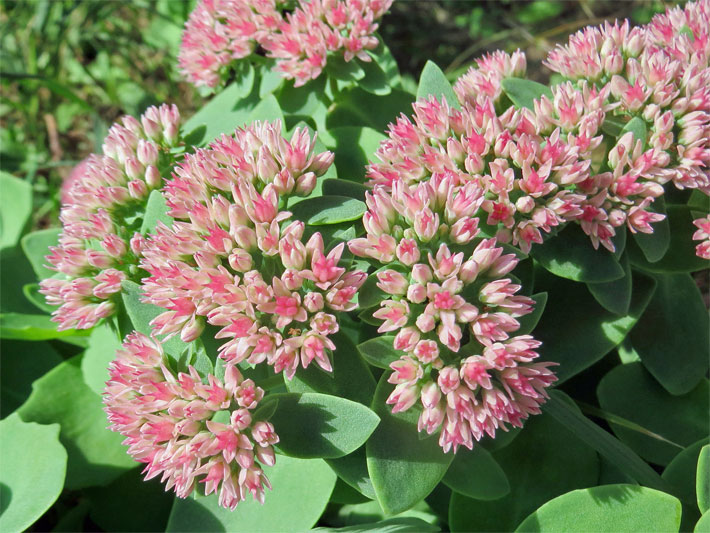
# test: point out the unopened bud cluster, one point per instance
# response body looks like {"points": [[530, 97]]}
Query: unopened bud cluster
{"points": [[99, 247], [453, 312], [187, 429], [234, 259]]}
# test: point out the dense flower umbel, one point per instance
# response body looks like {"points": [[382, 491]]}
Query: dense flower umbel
{"points": [[98, 248], [234, 257], [527, 168], [189, 429], [658, 73], [317, 28], [484, 80], [452, 312], [219, 32], [702, 234]]}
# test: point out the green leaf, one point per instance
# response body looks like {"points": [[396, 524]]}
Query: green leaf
{"points": [[379, 351], [340, 69], [702, 480], [476, 474], [655, 245], [34, 464], [615, 296], [15, 208], [16, 273], [350, 378], [609, 508], [703, 525], [370, 294], [375, 80], [544, 461], [328, 210], [338, 187], [364, 513], [271, 81], [313, 425], [530, 321], [354, 147], [524, 92], [681, 475], [268, 109], [673, 335], [141, 314], [433, 82], [33, 328], [637, 126], [357, 107], [287, 507], [589, 332], [404, 468], [36, 247], [227, 111], [103, 344], [156, 210], [22, 363], [96, 456], [632, 393], [386, 61], [614, 451], [31, 292], [352, 469], [149, 503], [391, 525], [680, 256], [303, 102], [570, 255]]}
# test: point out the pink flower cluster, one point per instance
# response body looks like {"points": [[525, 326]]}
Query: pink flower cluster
{"points": [[702, 234], [234, 259], [221, 31], [218, 32], [658, 74], [317, 28], [527, 167], [483, 82], [452, 312], [98, 248], [187, 430]]}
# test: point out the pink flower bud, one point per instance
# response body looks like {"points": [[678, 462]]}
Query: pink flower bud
{"points": [[152, 177], [313, 302], [240, 260], [406, 339], [392, 282], [421, 273], [416, 293], [137, 189]]}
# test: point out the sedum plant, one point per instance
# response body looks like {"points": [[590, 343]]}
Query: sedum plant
{"points": [[467, 309]]}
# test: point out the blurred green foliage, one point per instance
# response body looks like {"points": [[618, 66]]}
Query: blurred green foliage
{"points": [[68, 69]]}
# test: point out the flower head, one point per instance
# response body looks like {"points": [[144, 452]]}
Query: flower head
{"points": [[98, 248], [525, 166], [235, 259], [220, 32], [483, 81], [189, 428], [317, 29], [451, 310]]}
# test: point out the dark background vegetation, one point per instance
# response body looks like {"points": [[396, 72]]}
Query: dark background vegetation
{"points": [[69, 68]]}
